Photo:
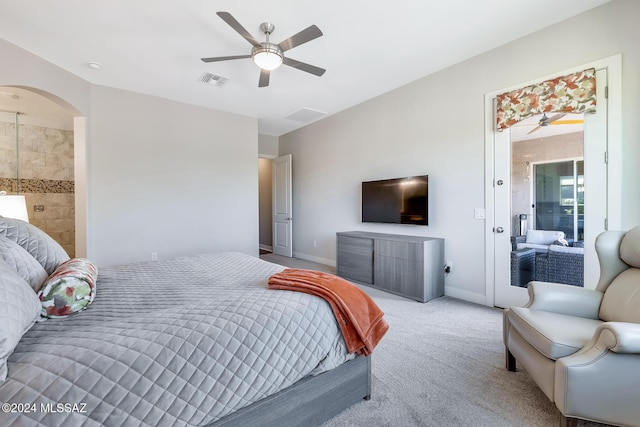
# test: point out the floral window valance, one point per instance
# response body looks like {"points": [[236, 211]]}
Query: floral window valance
{"points": [[575, 93]]}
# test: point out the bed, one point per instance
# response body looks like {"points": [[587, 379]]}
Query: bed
{"points": [[192, 341]]}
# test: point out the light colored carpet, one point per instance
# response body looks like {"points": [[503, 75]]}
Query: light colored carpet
{"points": [[442, 364]]}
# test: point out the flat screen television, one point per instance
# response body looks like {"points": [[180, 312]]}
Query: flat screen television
{"points": [[396, 201]]}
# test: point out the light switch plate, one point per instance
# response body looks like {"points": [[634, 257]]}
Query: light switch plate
{"points": [[478, 213]]}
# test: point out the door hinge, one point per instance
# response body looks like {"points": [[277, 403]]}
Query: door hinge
{"points": [[606, 157], [606, 223], [606, 92]]}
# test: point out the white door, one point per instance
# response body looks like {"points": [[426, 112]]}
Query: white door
{"points": [[508, 294], [282, 215]]}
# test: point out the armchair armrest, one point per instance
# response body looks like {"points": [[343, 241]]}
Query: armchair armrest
{"points": [[597, 382], [620, 337], [564, 299]]}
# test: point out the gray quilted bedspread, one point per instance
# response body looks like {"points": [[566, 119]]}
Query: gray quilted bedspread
{"points": [[173, 343]]}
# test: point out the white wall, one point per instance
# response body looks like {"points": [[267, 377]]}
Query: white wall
{"points": [[267, 146], [170, 178], [435, 126], [161, 176]]}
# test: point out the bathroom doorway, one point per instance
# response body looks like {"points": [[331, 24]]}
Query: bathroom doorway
{"points": [[37, 141]]}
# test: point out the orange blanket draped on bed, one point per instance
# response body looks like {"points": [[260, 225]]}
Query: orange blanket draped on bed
{"points": [[359, 318]]}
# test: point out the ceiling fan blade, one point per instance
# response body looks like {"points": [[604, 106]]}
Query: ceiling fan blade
{"points": [[556, 117], [225, 58], [534, 129], [264, 78], [304, 67], [306, 35], [226, 17]]}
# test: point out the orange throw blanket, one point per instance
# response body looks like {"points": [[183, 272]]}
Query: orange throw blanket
{"points": [[359, 318]]}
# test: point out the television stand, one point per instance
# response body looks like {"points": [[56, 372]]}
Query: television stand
{"points": [[410, 266]]}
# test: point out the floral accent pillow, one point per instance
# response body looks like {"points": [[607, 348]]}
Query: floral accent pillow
{"points": [[69, 289]]}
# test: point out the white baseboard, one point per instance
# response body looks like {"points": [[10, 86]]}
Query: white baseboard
{"points": [[312, 258], [465, 295], [266, 247]]}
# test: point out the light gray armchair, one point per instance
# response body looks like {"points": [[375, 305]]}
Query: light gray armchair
{"points": [[582, 346]]}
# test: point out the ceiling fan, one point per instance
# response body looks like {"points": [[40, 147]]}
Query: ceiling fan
{"points": [[554, 120], [269, 56]]}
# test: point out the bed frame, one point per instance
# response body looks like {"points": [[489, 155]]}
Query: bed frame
{"points": [[309, 402]]}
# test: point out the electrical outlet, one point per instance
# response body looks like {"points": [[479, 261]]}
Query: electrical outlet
{"points": [[154, 256]]}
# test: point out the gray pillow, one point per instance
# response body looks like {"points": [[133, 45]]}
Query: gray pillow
{"points": [[20, 309], [39, 244], [23, 263]]}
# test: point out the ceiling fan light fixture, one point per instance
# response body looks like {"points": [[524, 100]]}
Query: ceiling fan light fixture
{"points": [[268, 57]]}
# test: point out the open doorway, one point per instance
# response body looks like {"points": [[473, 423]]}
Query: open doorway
{"points": [[265, 206], [547, 200], [37, 137], [547, 175], [275, 201]]}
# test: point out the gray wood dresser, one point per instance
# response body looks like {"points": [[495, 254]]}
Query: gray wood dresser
{"points": [[410, 266]]}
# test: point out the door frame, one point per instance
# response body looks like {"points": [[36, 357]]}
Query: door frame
{"points": [[613, 64]]}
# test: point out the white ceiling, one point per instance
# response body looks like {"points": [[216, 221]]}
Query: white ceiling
{"points": [[368, 48]]}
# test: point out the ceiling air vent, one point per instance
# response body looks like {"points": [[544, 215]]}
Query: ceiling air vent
{"points": [[213, 79], [305, 115]]}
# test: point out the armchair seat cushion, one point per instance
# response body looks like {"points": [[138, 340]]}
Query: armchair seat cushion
{"points": [[552, 334]]}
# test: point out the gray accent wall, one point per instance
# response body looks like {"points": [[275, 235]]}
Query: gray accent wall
{"points": [[435, 126]]}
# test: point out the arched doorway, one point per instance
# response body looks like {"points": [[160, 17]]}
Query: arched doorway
{"points": [[38, 142]]}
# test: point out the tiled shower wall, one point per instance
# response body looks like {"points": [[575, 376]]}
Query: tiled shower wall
{"points": [[44, 175]]}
